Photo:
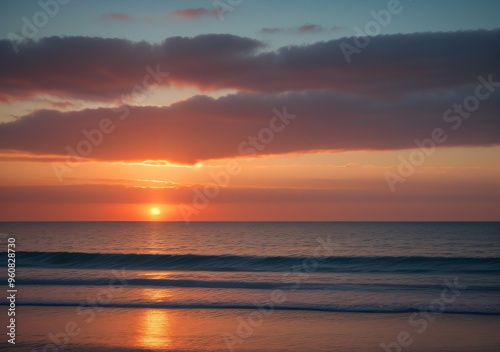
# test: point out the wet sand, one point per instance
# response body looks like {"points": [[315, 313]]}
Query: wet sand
{"points": [[118, 329]]}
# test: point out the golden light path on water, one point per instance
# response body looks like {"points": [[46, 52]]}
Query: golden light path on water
{"points": [[155, 325], [154, 333]]}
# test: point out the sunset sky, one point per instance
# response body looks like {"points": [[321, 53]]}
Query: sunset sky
{"points": [[250, 110]]}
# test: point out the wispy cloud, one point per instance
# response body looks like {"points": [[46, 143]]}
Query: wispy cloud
{"points": [[117, 16], [58, 104], [116, 194], [273, 30], [306, 28], [194, 13], [310, 28]]}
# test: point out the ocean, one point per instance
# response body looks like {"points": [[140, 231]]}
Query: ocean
{"points": [[255, 286]]}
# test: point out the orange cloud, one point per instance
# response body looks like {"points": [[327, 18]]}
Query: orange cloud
{"points": [[194, 13], [91, 202], [242, 125]]}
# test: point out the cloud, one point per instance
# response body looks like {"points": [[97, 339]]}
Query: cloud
{"points": [[194, 13], [62, 104], [203, 128], [306, 28], [272, 30], [105, 69], [117, 16], [391, 66], [59, 104], [310, 28], [12, 155], [116, 194], [104, 202]]}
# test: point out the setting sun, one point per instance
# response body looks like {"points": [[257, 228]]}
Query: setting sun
{"points": [[185, 177], [155, 211]]}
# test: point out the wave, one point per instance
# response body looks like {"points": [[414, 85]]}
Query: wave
{"points": [[249, 306], [191, 262], [246, 284]]}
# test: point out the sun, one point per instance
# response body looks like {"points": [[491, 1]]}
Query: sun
{"points": [[155, 211]]}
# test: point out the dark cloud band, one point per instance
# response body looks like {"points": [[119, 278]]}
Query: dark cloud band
{"points": [[390, 67]]}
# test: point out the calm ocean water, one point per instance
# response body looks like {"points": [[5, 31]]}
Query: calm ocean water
{"points": [[321, 267], [328, 266]]}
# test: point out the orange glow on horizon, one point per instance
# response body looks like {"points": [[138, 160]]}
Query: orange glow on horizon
{"points": [[130, 192], [155, 212]]}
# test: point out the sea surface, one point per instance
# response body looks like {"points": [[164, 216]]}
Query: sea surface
{"points": [[255, 286]]}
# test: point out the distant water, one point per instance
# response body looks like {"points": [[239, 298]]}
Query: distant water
{"points": [[321, 266]]}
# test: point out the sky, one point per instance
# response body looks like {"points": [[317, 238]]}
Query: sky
{"points": [[239, 110]]}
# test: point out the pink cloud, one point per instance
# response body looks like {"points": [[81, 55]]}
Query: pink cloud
{"points": [[194, 13]]}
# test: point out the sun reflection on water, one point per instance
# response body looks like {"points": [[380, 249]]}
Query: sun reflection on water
{"points": [[154, 330], [156, 294]]}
